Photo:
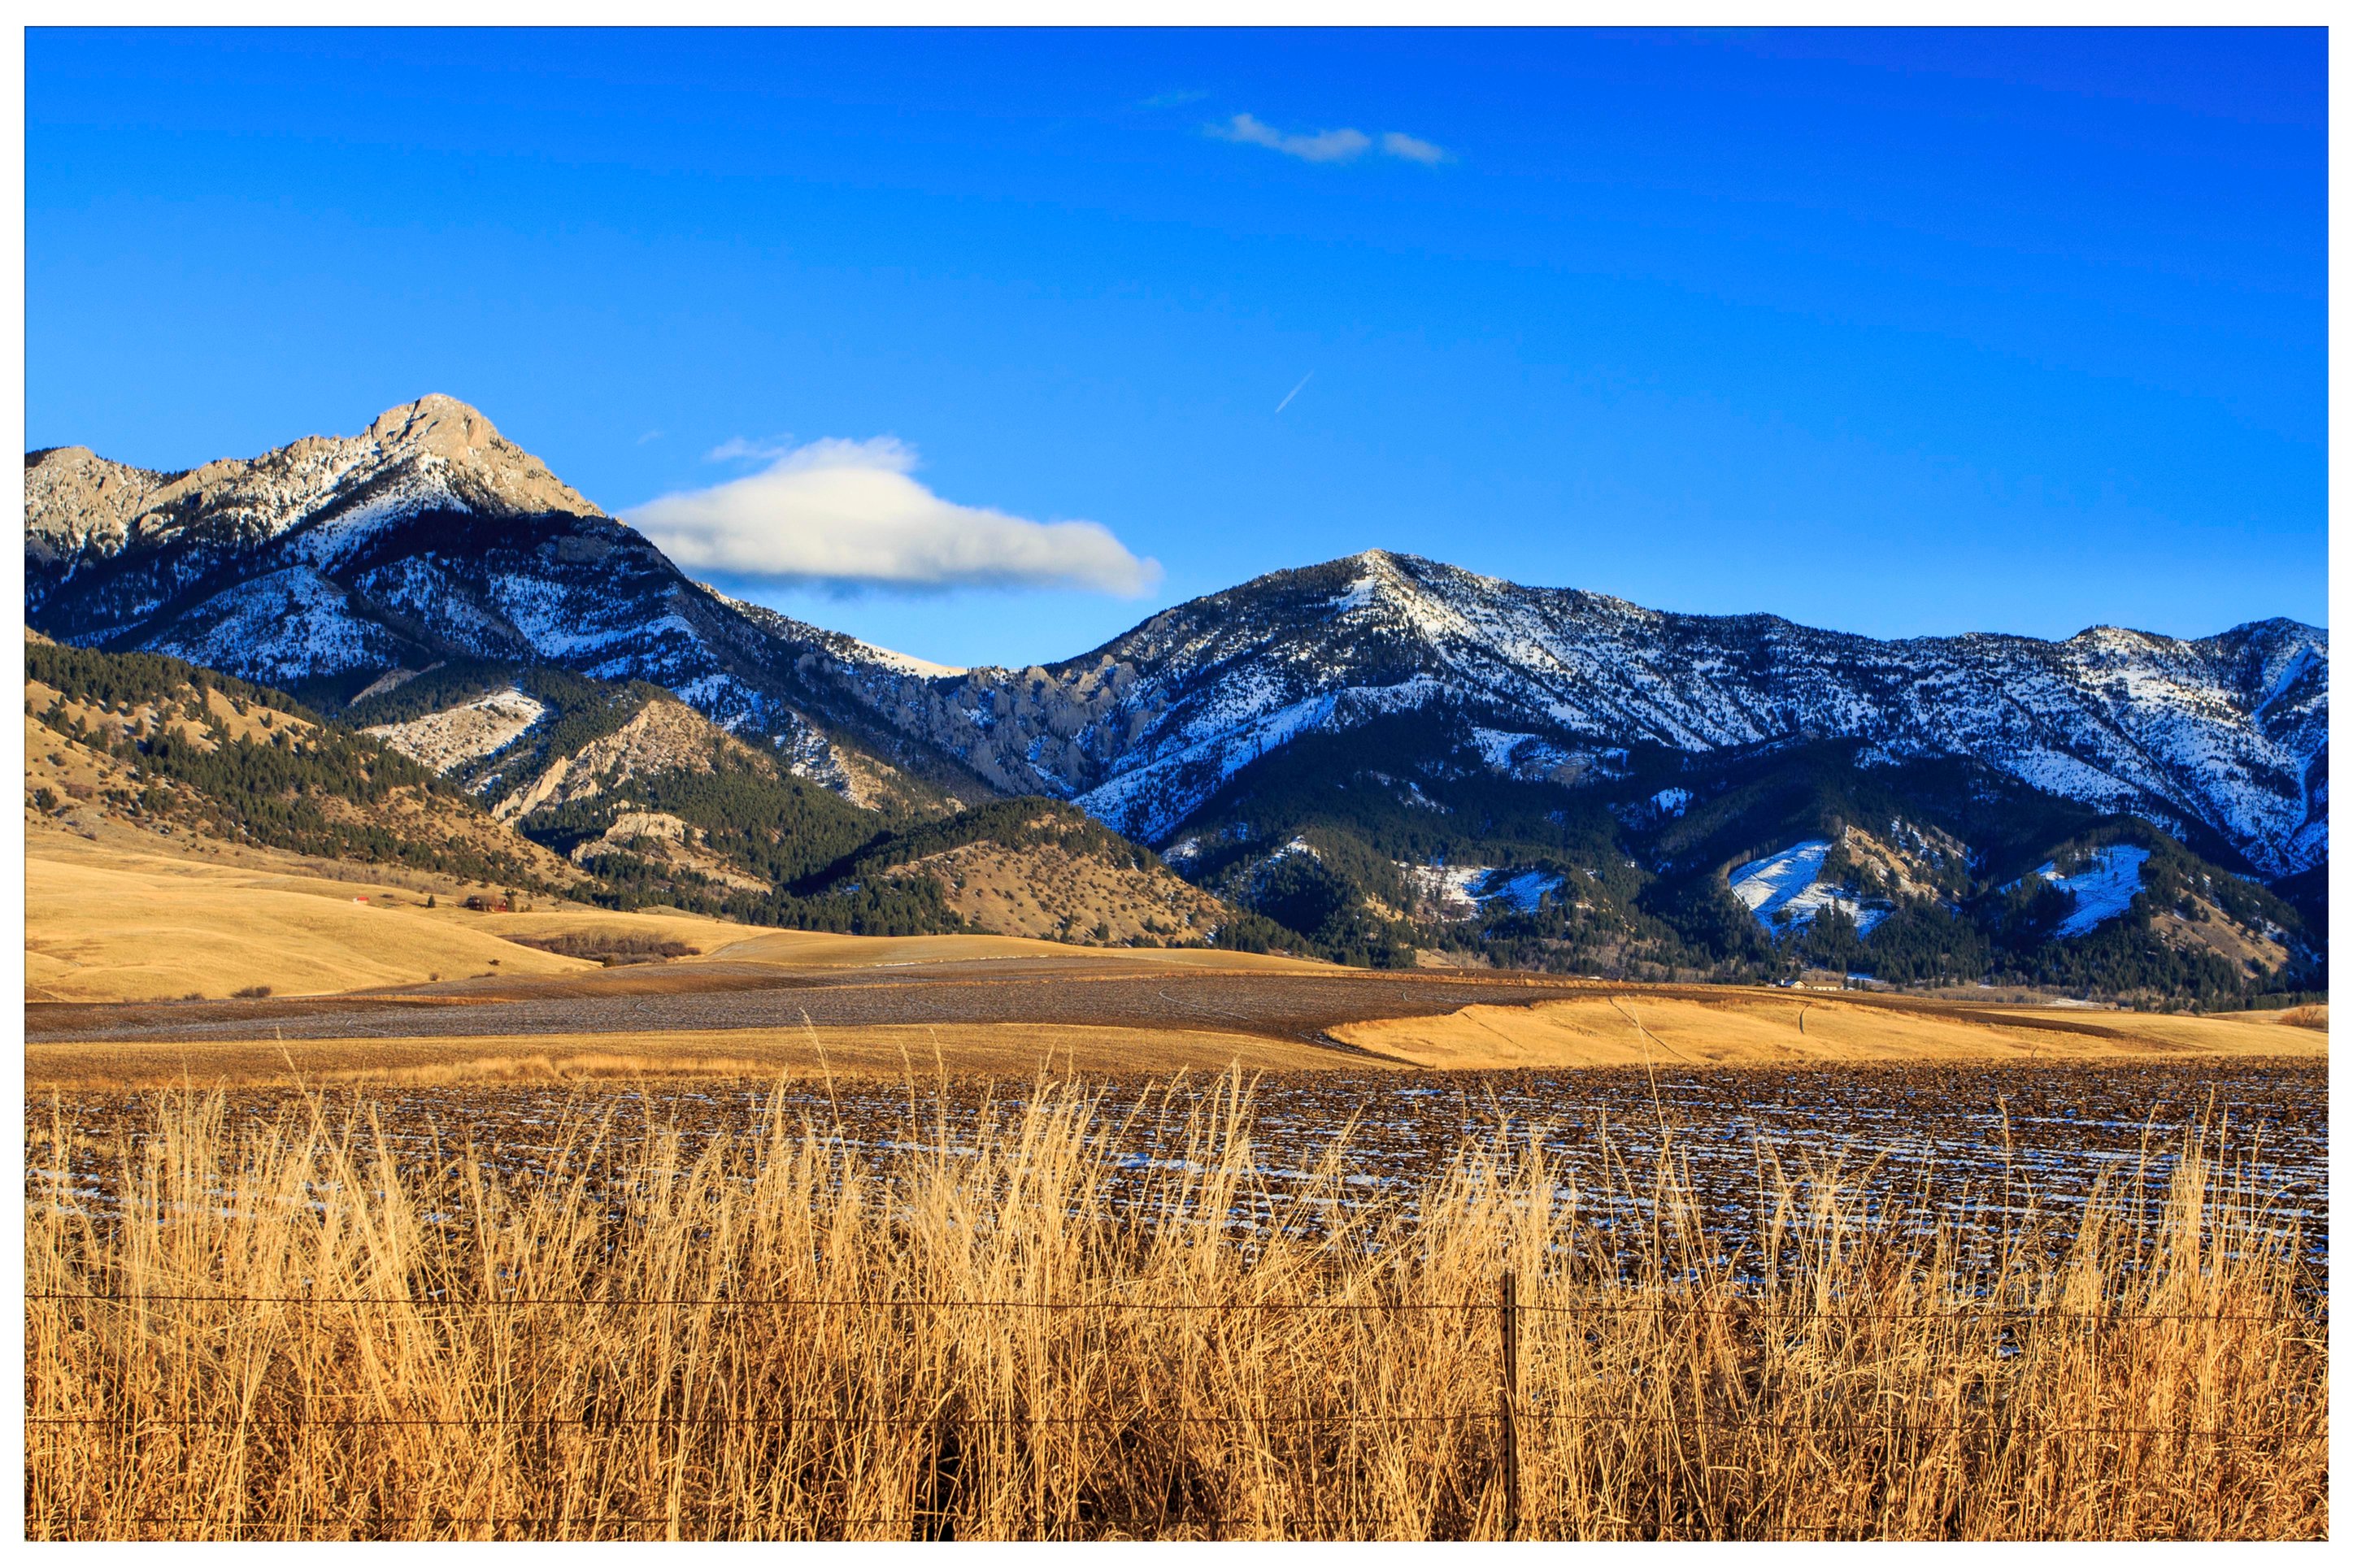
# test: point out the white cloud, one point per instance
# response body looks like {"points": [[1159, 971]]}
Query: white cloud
{"points": [[736, 447], [847, 513], [1397, 145], [1324, 147]]}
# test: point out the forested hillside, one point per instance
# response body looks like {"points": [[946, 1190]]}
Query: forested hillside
{"points": [[1925, 874], [170, 745]]}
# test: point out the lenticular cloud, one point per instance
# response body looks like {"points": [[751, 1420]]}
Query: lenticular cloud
{"points": [[849, 513]]}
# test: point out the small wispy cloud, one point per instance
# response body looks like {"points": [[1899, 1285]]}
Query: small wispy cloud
{"points": [[649, 435], [1397, 145], [736, 449], [1294, 392], [1336, 146], [1324, 147], [1176, 100], [849, 514]]}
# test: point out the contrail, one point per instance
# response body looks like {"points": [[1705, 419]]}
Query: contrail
{"points": [[1294, 392]]}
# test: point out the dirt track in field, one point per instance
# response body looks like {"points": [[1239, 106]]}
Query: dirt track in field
{"points": [[710, 995]]}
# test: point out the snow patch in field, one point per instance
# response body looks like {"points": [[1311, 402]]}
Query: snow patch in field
{"points": [[1671, 802], [1785, 889], [2104, 888]]}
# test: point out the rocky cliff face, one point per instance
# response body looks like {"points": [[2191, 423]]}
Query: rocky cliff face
{"points": [[431, 537]]}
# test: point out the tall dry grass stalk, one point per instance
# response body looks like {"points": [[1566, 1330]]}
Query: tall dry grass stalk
{"points": [[312, 1330]]}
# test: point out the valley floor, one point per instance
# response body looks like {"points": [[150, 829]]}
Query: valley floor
{"points": [[136, 952]]}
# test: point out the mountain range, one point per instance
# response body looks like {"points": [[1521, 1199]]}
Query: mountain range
{"points": [[1466, 734]]}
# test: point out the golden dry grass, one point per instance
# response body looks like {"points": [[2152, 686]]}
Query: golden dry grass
{"points": [[116, 925], [882, 1051], [131, 920], [1004, 1330], [1754, 1028]]}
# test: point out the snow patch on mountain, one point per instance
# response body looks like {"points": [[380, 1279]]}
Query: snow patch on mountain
{"points": [[1411, 794], [1464, 892], [455, 736], [2103, 886], [1785, 889], [1448, 893], [1518, 755], [1143, 730], [289, 626], [1499, 746], [338, 535], [1149, 801], [390, 681], [1524, 891], [421, 587]]}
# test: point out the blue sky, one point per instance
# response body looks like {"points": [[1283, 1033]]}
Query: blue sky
{"points": [[1901, 333]]}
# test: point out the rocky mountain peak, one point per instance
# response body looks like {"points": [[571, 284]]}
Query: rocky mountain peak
{"points": [[72, 495], [436, 454], [485, 473], [435, 423]]}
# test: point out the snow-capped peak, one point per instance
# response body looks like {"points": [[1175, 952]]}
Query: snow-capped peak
{"points": [[436, 453]]}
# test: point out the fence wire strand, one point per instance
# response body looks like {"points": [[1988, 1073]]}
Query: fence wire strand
{"points": [[252, 1420], [1727, 1306]]}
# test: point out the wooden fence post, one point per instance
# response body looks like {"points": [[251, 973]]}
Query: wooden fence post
{"points": [[1508, 1404]]}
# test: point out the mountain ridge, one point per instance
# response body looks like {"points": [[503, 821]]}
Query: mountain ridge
{"points": [[1256, 664], [331, 564]]}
